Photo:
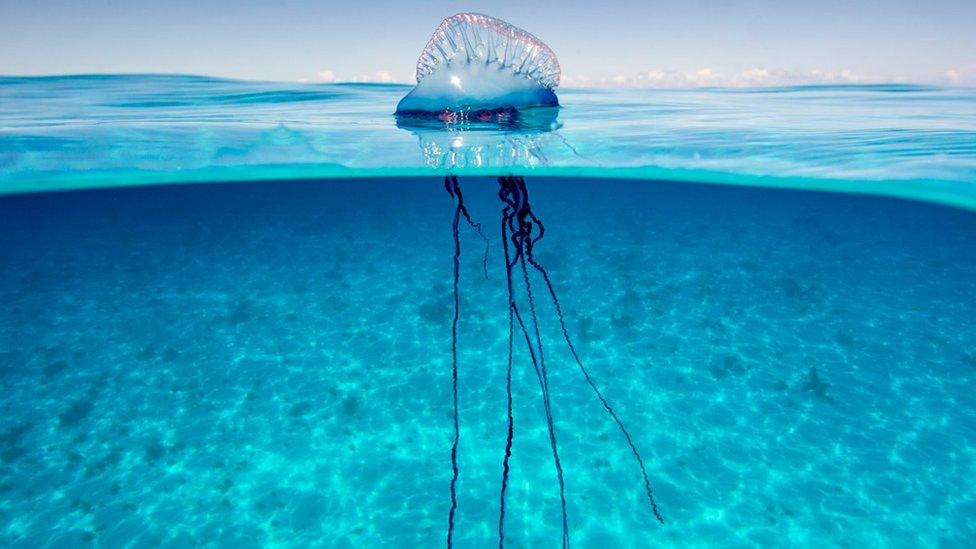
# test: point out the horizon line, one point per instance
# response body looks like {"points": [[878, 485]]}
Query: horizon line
{"points": [[574, 86]]}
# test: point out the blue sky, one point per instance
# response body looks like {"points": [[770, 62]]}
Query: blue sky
{"points": [[607, 43]]}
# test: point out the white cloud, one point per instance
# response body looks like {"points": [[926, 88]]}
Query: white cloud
{"points": [[329, 76], [959, 76], [378, 76], [704, 77], [755, 77], [765, 77]]}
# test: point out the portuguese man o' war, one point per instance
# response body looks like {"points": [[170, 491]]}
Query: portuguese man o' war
{"points": [[479, 66], [476, 68]]}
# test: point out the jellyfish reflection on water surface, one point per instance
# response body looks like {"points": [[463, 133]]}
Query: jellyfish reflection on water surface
{"points": [[480, 76]]}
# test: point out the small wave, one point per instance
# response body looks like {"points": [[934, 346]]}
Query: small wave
{"points": [[268, 97], [111, 78], [284, 96]]}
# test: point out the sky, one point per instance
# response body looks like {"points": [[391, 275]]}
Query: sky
{"points": [[646, 43]]}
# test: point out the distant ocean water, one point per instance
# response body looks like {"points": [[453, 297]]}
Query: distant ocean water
{"points": [[267, 361]]}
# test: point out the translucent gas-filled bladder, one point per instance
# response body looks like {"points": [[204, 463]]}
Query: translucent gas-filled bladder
{"points": [[481, 68]]}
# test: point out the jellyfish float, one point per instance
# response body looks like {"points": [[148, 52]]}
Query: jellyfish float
{"points": [[478, 71]]}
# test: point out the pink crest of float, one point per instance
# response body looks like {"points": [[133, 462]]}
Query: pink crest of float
{"points": [[473, 37]]}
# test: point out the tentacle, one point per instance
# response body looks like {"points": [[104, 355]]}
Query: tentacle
{"points": [[455, 189], [544, 382], [521, 228], [513, 200], [454, 367], [508, 389], [583, 370], [511, 430]]}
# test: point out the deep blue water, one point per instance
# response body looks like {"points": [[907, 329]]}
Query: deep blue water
{"points": [[269, 363]]}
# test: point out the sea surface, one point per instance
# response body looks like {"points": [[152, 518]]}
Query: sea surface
{"points": [[86, 131], [774, 288]]}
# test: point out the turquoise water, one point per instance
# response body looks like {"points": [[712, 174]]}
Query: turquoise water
{"points": [[86, 131], [268, 362]]}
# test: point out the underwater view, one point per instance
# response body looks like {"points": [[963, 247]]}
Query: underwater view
{"points": [[485, 309], [269, 363]]}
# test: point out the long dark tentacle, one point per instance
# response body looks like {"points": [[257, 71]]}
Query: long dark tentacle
{"points": [[514, 219], [508, 388], [597, 392], [455, 190], [544, 382], [454, 364], [572, 349], [535, 363], [511, 430]]}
